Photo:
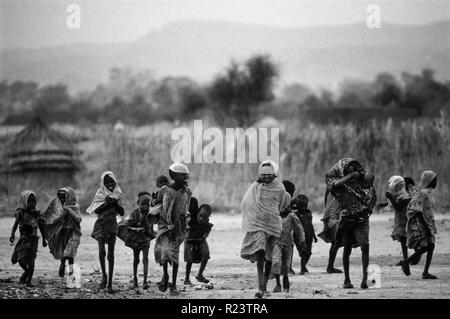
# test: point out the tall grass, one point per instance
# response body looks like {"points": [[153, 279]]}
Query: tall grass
{"points": [[139, 155]]}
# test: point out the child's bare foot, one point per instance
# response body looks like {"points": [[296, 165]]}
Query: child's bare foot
{"points": [[145, 286], [173, 290], [347, 285], [103, 282], [187, 281], [428, 276], [23, 278], [277, 289], [202, 279], [163, 284], [405, 267], [399, 263], [259, 294], [364, 284], [111, 290], [29, 285], [302, 273], [135, 284], [334, 271]]}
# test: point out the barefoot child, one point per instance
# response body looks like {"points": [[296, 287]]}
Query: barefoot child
{"points": [[107, 204], [282, 254], [301, 210], [352, 187], [420, 227], [196, 249], [399, 199], [136, 232], [172, 224], [62, 220], [260, 208], [161, 181], [28, 219]]}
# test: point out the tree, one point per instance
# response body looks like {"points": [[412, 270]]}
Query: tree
{"points": [[387, 90], [240, 91]]}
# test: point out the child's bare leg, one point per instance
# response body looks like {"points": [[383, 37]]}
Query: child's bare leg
{"points": [[404, 248], [145, 263], [286, 283], [187, 281], [200, 277], [426, 274], [346, 264], [260, 268], [278, 285], [30, 274], [135, 267], [23, 278], [365, 264], [331, 258], [111, 245], [173, 287], [267, 270], [62, 268], [102, 256], [165, 278]]}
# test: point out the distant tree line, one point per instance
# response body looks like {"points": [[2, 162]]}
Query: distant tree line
{"points": [[239, 95]]}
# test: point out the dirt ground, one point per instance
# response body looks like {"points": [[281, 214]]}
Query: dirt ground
{"points": [[233, 277]]}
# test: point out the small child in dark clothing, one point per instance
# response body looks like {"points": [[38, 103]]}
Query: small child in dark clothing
{"points": [[137, 232], [196, 249], [300, 208], [28, 219], [161, 181]]}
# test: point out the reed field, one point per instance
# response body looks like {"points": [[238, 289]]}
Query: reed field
{"points": [[139, 154]]}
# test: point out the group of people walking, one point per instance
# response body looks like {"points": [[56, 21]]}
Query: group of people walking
{"points": [[271, 224], [274, 220]]}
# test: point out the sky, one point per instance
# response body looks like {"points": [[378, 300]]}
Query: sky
{"points": [[42, 23]]}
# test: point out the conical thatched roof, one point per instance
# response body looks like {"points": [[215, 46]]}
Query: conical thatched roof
{"points": [[39, 148]]}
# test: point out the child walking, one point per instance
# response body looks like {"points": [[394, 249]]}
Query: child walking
{"points": [[196, 249], [172, 224], [420, 226], [28, 219], [300, 208], [62, 224], [107, 204], [260, 208], [399, 199], [354, 190], [282, 254], [136, 232]]}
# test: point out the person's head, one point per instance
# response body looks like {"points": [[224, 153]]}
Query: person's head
{"points": [[161, 181], [143, 201], [367, 180], [396, 184], [61, 194], [302, 201], [109, 182], [409, 181], [289, 186], [204, 212], [179, 173], [428, 179], [433, 183], [31, 201], [268, 171]]}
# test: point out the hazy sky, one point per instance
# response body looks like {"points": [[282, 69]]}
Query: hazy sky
{"points": [[36, 23]]}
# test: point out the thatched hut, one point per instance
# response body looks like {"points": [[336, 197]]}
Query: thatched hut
{"points": [[39, 158]]}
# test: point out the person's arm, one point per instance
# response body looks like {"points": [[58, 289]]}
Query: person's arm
{"points": [[13, 230], [75, 216], [346, 178], [206, 234]]}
